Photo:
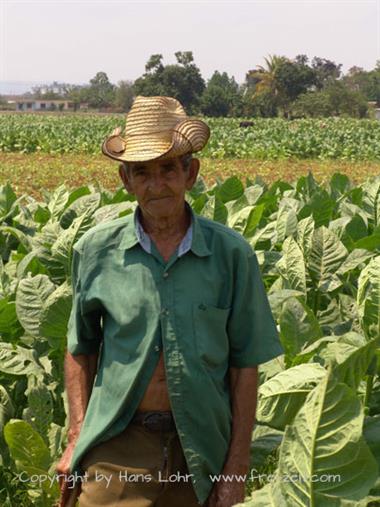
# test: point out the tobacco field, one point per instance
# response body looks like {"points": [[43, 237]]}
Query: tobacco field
{"points": [[269, 139], [319, 405]]}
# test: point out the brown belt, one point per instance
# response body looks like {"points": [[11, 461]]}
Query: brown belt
{"points": [[155, 421]]}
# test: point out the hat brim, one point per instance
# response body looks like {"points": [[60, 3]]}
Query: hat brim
{"points": [[188, 136]]}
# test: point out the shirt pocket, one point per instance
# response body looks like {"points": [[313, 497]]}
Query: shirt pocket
{"points": [[210, 331]]}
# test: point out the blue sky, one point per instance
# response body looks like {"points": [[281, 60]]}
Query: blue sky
{"points": [[69, 41]]}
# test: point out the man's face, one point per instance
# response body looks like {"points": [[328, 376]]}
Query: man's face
{"points": [[160, 185]]}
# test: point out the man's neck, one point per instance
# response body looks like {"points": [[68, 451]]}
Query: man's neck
{"points": [[166, 228]]}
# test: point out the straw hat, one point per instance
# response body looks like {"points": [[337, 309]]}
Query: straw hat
{"points": [[156, 127]]}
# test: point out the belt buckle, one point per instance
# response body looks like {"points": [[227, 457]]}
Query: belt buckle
{"points": [[153, 422]]}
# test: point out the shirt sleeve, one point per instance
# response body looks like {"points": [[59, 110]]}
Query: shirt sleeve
{"points": [[84, 332], [251, 328]]}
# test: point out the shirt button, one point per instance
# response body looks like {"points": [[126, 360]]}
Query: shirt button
{"points": [[166, 274], [157, 348], [202, 306], [165, 311]]}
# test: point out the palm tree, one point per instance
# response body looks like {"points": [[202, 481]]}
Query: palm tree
{"points": [[265, 78]]}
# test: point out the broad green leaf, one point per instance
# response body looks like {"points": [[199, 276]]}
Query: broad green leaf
{"points": [[278, 297], [63, 246], [253, 220], [268, 261], [209, 207], [18, 234], [220, 211], [42, 214], [326, 255], [264, 441], [368, 298], [289, 203], [312, 352], [43, 243], [371, 199], [238, 220], [298, 326], [339, 184], [371, 242], [322, 207], [292, 266], [306, 185], [305, 230], [199, 188], [350, 355], [6, 408], [355, 259], [266, 234], [325, 440], [39, 411], [348, 209], [283, 395], [55, 315], [32, 293], [58, 201], [31, 263], [371, 433], [17, 360], [46, 363], [268, 496], [77, 193], [253, 193], [30, 453], [8, 316], [231, 189], [286, 224], [338, 227], [7, 199], [331, 284], [112, 211], [271, 368], [199, 203], [47, 236], [86, 204], [26, 446], [356, 229], [330, 316], [56, 440]]}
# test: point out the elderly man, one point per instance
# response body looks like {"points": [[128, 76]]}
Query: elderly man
{"points": [[169, 322]]}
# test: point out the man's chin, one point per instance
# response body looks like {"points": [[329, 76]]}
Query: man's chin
{"points": [[160, 207]]}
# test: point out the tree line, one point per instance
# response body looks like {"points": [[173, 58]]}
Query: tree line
{"points": [[284, 87]]}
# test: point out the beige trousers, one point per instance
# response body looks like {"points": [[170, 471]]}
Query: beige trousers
{"points": [[137, 468]]}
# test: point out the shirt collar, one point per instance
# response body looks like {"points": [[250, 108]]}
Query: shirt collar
{"points": [[133, 234], [146, 242]]}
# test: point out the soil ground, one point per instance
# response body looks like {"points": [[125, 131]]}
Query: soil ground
{"points": [[30, 173]]}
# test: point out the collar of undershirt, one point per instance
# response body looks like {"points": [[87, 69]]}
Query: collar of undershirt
{"points": [[146, 242]]}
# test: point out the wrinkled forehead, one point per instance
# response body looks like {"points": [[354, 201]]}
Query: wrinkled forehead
{"points": [[154, 164]]}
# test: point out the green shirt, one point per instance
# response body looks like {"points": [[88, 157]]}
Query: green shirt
{"points": [[207, 309]]}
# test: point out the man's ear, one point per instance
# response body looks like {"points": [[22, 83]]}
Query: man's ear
{"points": [[124, 178], [192, 173]]}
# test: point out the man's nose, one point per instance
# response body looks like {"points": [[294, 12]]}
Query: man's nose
{"points": [[156, 183]]}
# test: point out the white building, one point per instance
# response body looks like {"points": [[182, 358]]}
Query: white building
{"points": [[23, 104]]}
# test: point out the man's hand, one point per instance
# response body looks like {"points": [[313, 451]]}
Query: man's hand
{"points": [[63, 471], [226, 494]]}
